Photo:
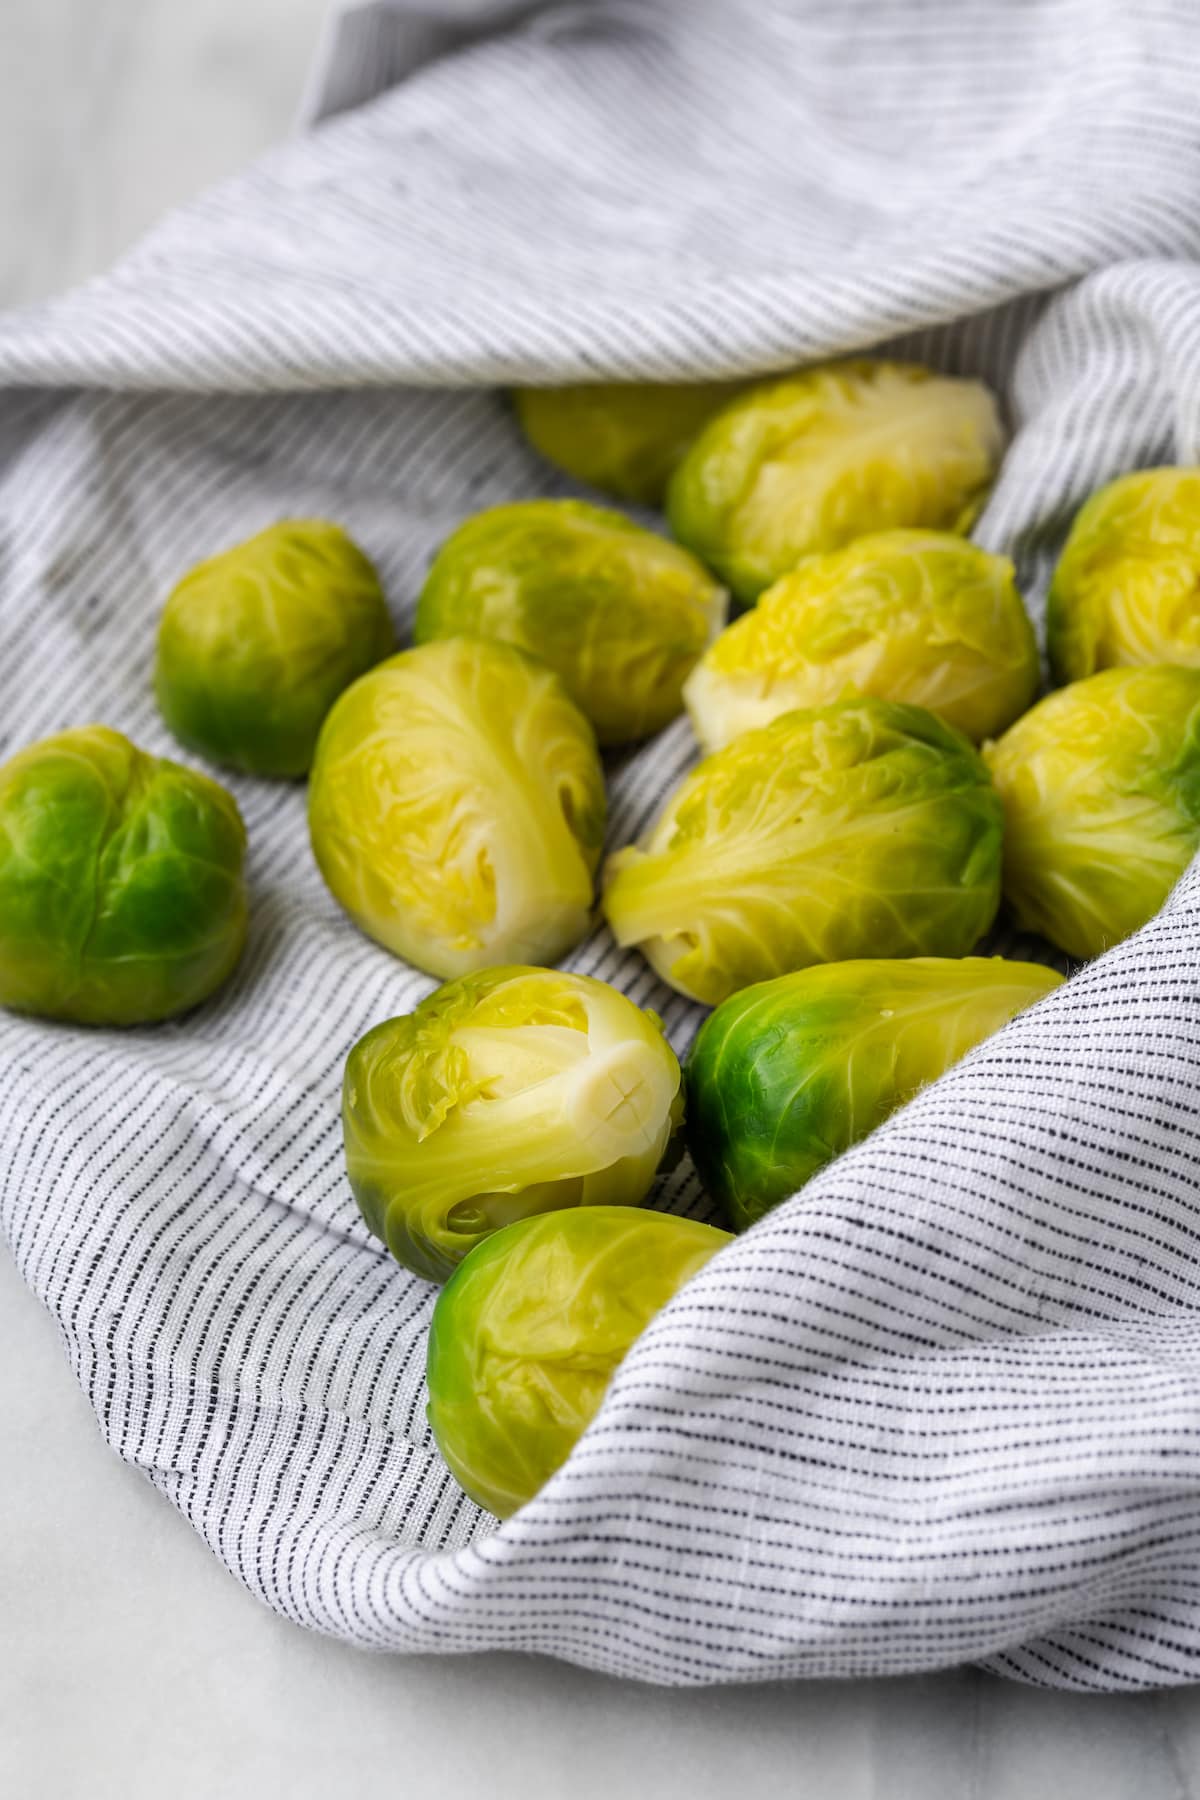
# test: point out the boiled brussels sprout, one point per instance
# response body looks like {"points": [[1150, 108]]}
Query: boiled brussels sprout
{"points": [[622, 437], [620, 614], [785, 1076], [457, 805], [121, 891], [865, 827], [509, 1092], [528, 1333], [805, 464], [922, 616], [255, 645], [1101, 792], [1127, 588]]}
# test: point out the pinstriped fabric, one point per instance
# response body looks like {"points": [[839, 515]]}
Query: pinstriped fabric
{"points": [[946, 1404]]}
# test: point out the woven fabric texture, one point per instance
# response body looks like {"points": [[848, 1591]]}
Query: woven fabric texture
{"points": [[946, 1404]]}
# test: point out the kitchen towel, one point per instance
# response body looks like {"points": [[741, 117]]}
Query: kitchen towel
{"points": [[943, 1406]]}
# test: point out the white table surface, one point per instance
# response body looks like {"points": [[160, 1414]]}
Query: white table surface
{"points": [[131, 1664]]}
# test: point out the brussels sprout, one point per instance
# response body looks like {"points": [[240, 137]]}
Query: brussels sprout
{"points": [[457, 806], [1101, 792], [921, 616], [1127, 588], [620, 614], [529, 1331], [622, 437], [509, 1092], [121, 891], [862, 827], [255, 645], [785, 1076], [803, 465]]}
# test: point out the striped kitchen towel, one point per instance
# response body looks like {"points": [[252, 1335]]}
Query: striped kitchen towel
{"points": [[946, 1404]]}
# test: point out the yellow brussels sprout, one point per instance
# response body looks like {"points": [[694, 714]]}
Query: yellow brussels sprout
{"points": [[865, 828], [622, 437], [506, 1093], [1127, 587], [1101, 792], [456, 807], [921, 616], [528, 1333], [800, 466], [122, 899], [255, 645], [619, 613]]}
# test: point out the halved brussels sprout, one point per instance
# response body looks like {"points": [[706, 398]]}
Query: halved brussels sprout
{"points": [[1101, 792], [121, 891], [457, 807], [620, 614], [510, 1092], [527, 1335], [862, 827], [785, 1076], [622, 437], [805, 464], [921, 616], [256, 644], [1127, 587]]}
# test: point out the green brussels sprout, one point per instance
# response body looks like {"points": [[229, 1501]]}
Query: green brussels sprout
{"points": [[623, 437], [456, 807], [121, 891], [506, 1093], [256, 644], [865, 827], [785, 1076], [921, 616], [620, 614], [800, 466], [1127, 587], [1101, 792], [528, 1332]]}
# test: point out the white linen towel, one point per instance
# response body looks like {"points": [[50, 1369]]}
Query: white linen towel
{"points": [[946, 1404]]}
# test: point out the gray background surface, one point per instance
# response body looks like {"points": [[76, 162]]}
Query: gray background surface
{"points": [[130, 1663]]}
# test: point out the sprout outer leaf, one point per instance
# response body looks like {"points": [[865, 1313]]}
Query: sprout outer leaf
{"points": [[255, 645], [527, 1335], [505, 1093], [122, 898], [862, 827], [1101, 790], [920, 616], [786, 1075], [1127, 587], [620, 614], [625, 438], [456, 807], [802, 465]]}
